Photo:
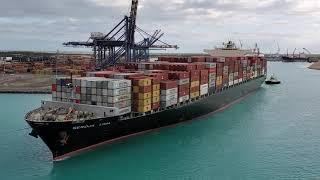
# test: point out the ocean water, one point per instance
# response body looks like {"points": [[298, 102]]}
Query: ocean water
{"points": [[272, 134]]}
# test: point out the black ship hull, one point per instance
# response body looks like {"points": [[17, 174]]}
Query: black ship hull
{"points": [[294, 59], [66, 139]]}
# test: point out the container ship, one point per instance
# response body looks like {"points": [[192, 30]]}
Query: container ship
{"points": [[133, 98]]}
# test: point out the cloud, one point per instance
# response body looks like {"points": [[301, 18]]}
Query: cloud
{"points": [[192, 24]]}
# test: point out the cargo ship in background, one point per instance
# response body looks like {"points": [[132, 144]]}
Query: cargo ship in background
{"points": [[300, 57], [133, 98]]}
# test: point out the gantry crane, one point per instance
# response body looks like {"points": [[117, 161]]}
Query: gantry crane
{"points": [[119, 45]]}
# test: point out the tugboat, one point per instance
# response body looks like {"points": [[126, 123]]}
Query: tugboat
{"points": [[273, 80]]}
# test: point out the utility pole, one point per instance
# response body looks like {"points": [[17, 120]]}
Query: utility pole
{"points": [[56, 70]]}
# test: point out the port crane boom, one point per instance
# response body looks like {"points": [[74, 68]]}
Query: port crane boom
{"points": [[118, 45]]}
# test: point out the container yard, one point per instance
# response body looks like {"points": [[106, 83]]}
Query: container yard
{"points": [[54, 64]]}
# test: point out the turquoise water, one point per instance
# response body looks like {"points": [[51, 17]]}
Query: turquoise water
{"points": [[272, 134]]}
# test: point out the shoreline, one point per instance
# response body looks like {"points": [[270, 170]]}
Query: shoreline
{"points": [[315, 66], [25, 84]]}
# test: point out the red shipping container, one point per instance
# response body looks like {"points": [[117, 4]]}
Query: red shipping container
{"points": [[183, 87], [211, 59], [78, 89], [155, 105], [155, 81], [182, 67], [199, 66], [198, 59], [194, 89], [174, 75], [204, 73], [165, 66], [54, 87], [168, 85], [159, 76], [184, 93], [204, 81], [195, 75], [212, 70]]}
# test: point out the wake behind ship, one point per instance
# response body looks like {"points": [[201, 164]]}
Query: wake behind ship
{"points": [[134, 98]]}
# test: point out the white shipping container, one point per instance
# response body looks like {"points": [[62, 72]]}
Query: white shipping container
{"points": [[90, 74], [99, 92], [119, 112], [210, 65], [105, 99], [88, 84], [169, 103], [54, 94], [204, 89], [93, 91], [231, 77], [83, 90], [169, 91], [183, 81], [94, 84], [221, 59], [116, 84], [212, 84], [212, 75], [94, 98], [99, 98], [169, 97], [184, 98], [59, 88], [212, 80], [104, 92], [118, 92], [54, 81], [121, 104], [141, 66], [114, 99]]}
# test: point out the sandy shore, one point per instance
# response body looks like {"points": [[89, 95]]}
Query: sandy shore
{"points": [[315, 66], [25, 83]]}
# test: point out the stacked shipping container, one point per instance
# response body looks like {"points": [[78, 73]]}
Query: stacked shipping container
{"points": [[169, 93], [142, 93], [93, 91], [158, 84]]}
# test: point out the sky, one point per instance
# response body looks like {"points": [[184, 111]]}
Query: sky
{"points": [[194, 25]]}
